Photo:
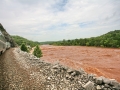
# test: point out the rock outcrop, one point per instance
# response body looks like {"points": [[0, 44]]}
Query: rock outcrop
{"points": [[7, 36], [59, 77]]}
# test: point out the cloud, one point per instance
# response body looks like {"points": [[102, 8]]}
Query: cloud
{"points": [[59, 5], [48, 20]]}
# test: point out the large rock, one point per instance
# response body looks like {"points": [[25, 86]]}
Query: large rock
{"points": [[98, 87], [99, 80], [7, 36], [115, 84], [89, 86], [73, 72], [106, 80], [82, 71]]}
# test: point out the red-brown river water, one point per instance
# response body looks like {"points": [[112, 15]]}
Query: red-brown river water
{"points": [[100, 61]]}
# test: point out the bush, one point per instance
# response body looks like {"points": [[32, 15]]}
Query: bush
{"points": [[24, 48], [37, 52]]}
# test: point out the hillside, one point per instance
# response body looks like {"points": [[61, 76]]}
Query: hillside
{"points": [[19, 40], [110, 39]]}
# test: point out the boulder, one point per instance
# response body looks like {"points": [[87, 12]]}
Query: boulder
{"points": [[73, 72], [81, 71], [99, 80], [106, 86], [56, 66], [113, 82], [90, 77], [106, 80], [98, 87], [89, 86]]}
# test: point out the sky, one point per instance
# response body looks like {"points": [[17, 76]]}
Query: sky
{"points": [[53, 20]]}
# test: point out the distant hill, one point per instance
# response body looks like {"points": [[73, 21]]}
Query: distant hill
{"points": [[110, 39], [47, 42], [19, 40]]}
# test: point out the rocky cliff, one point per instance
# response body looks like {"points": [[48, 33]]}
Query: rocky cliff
{"points": [[7, 36]]}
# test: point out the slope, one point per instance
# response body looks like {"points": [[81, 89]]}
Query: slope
{"points": [[19, 40], [110, 39]]}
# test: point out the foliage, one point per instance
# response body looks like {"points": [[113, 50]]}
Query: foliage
{"points": [[19, 40], [46, 42], [110, 39], [24, 47], [37, 52]]}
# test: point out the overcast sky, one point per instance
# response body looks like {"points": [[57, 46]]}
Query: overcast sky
{"points": [[49, 20]]}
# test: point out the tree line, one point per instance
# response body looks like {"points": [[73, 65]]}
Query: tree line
{"points": [[110, 39]]}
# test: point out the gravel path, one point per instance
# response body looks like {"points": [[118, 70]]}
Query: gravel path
{"points": [[12, 75]]}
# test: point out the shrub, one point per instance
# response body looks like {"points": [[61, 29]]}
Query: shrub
{"points": [[37, 52], [23, 47]]}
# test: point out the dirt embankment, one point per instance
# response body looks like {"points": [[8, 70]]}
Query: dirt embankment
{"points": [[100, 61]]}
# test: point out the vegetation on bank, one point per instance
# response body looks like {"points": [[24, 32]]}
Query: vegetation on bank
{"points": [[110, 39], [24, 48], [37, 52], [19, 40], [26, 45]]}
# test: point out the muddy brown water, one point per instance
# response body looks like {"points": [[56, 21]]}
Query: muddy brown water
{"points": [[100, 61]]}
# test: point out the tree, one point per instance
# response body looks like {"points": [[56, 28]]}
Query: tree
{"points": [[87, 44], [23, 47], [37, 52]]}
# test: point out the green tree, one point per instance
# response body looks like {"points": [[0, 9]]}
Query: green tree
{"points": [[37, 52], [23, 47], [87, 44]]}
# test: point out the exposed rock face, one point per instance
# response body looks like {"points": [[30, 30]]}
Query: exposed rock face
{"points": [[59, 77], [7, 36]]}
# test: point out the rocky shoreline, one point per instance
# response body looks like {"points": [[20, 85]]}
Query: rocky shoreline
{"points": [[59, 77]]}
